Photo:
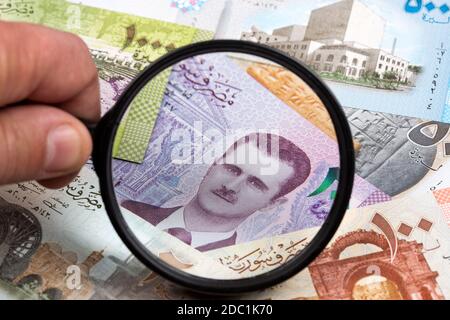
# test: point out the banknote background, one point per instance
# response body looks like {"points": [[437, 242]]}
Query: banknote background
{"points": [[246, 106], [65, 248]]}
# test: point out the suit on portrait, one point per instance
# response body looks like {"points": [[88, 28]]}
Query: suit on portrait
{"points": [[155, 215]]}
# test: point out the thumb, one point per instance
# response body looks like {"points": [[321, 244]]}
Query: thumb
{"points": [[41, 143]]}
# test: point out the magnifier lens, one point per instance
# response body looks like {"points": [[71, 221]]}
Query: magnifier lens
{"points": [[225, 166]]}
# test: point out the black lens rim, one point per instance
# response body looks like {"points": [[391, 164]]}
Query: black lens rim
{"points": [[102, 158]]}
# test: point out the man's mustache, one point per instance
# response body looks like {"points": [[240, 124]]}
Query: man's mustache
{"points": [[226, 194]]}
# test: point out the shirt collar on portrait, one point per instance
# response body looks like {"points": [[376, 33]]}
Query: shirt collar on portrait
{"points": [[176, 220]]}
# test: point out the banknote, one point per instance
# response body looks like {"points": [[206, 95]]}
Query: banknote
{"points": [[121, 45], [407, 156], [400, 155], [369, 253], [397, 154], [393, 250], [434, 181], [54, 233], [60, 244], [143, 38], [295, 93], [443, 200], [201, 14], [388, 56], [211, 94], [259, 257], [74, 219], [236, 13]]}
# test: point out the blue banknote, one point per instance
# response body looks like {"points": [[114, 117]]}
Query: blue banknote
{"points": [[379, 55]]}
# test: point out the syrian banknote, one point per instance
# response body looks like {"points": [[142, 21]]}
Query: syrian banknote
{"points": [[237, 13], [388, 56], [60, 244], [69, 228], [397, 154], [216, 103], [400, 155], [443, 200], [121, 45], [393, 250], [365, 260], [119, 275], [54, 233], [201, 14], [143, 39]]}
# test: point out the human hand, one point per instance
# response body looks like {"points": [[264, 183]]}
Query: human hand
{"points": [[47, 81]]}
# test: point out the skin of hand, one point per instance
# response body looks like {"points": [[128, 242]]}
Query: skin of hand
{"points": [[47, 81]]}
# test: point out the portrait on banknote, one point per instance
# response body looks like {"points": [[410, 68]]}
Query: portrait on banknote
{"points": [[232, 191]]}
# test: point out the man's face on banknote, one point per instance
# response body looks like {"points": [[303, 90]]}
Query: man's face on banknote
{"points": [[236, 189]]}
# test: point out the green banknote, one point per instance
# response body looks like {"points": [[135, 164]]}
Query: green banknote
{"points": [[120, 44]]}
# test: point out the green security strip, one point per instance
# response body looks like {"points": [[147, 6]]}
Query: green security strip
{"points": [[332, 176], [135, 131], [117, 139]]}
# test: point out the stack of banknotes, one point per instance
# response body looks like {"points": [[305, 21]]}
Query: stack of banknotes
{"points": [[394, 242]]}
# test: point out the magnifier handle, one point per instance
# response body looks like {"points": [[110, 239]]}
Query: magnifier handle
{"points": [[91, 126], [95, 131]]}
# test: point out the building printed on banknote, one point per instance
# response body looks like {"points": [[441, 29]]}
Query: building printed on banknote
{"points": [[342, 40], [20, 238], [47, 274], [374, 276], [124, 279], [35, 269]]}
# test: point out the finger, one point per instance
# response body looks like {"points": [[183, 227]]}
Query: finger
{"points": [[60, 182], [40, 143], [49, 67]]}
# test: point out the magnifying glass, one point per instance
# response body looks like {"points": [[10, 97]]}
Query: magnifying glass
{"points": [[217, 152]]}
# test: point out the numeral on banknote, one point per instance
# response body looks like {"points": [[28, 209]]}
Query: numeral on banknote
{"points": [[73, 17], [436, 133], [73, 280]]}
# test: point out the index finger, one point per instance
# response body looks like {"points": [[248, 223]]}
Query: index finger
{"points": [[47, 66]]}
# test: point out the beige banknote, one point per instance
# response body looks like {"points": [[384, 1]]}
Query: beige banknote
{"points": [[60, 244], [394, 250]]}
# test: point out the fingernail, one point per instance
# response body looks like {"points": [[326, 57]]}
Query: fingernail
{"points": [[63, 149]]}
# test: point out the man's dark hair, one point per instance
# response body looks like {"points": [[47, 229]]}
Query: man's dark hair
{"points": [[288, 152]]}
